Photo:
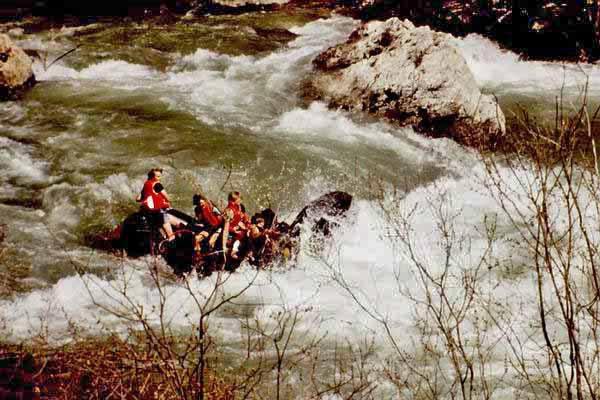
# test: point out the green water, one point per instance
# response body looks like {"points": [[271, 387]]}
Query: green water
{"points": [[216, 102]]}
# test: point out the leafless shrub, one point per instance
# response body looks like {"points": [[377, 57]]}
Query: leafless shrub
{"points": [[548, 189], [466, 341]]}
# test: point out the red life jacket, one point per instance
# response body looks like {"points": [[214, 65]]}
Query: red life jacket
{"points": [[208, 215], [151, 200], [238, 216]]}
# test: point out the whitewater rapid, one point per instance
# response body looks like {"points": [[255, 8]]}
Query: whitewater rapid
{"points": [[258, 96], [254, 93], [500, 71]]}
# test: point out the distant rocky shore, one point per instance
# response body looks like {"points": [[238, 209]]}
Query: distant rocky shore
{"points": [[537, 29]]}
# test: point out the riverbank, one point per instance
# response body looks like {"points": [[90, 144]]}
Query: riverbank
{"points": [[98, 368], [540, 30]]}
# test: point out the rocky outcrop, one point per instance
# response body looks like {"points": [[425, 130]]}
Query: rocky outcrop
{"points": [[413, 76], [16, 73]]}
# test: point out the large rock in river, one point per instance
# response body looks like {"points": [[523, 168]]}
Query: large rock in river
{"points": [[414, 76], [16, 73]]}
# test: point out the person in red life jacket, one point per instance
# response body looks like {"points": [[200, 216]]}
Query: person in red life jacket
{"points": [[262, 239], [258, 236], [206, 213], [236, 221], [155, 201], [208, 224]]}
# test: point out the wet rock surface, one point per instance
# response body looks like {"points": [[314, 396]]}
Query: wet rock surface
{"points": [[412, 76]]}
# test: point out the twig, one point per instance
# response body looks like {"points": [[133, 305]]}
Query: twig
{"points": [[62, 56], [227, 179]]}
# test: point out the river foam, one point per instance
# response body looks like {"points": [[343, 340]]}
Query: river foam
{"points": [[365, 262], [503, 71], [117, 73], [252, 91], [317, 123], [18, 164]]}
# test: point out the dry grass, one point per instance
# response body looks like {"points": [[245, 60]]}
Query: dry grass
{"points": [[108, 368], [571, 137]]}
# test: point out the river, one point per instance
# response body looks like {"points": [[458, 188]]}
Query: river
{"points": [[218, 104]]}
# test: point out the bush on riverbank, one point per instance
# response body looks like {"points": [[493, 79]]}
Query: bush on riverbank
{"points": [[543, 241], [573, 136], [92, 369]]}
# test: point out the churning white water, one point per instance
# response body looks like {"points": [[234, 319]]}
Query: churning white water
{"points": [[251, 101], [501, 71]]}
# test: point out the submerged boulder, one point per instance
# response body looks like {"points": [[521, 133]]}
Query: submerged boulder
{"points": [[413, 76], [16, 71]]}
